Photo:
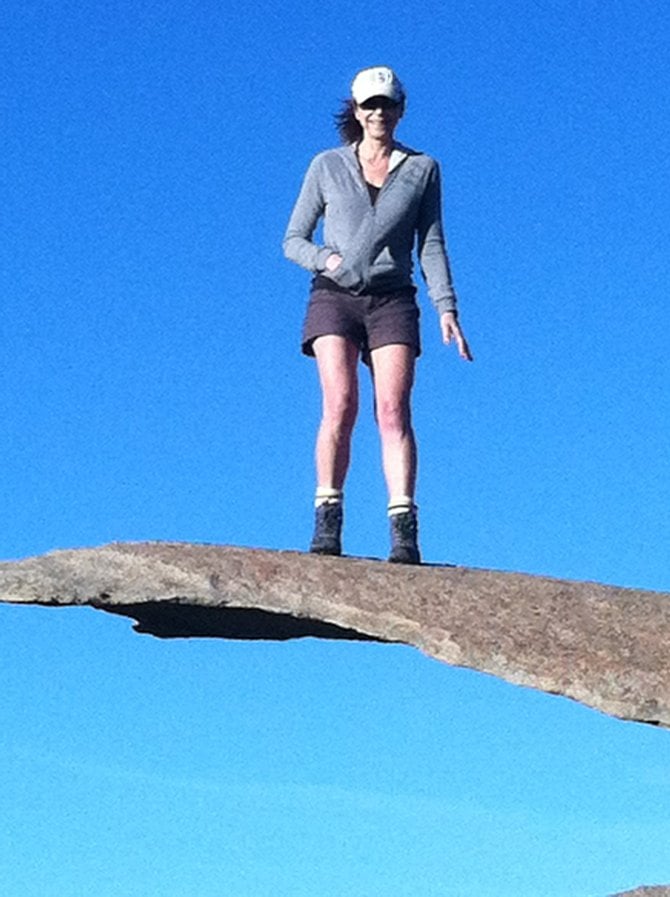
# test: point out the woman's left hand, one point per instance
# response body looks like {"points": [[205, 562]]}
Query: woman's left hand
{"points": [[451, 329]]}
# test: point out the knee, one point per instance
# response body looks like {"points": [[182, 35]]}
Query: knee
{"points": [[393, 417], [340, 411]]}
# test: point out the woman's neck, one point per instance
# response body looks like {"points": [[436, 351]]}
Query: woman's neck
{"points": [[372, 150]]}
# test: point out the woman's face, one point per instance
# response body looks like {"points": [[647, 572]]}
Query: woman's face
{"points": [[378, 117]]}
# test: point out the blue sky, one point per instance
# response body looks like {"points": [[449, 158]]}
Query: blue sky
{"points": [[152, 388]]}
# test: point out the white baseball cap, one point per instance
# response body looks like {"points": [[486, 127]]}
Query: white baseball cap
{"points": [[378, 81]]}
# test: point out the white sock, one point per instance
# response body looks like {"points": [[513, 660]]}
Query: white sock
{"points": [[325, 495], [400, 504]]}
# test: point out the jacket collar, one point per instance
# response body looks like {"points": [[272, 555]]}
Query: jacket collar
{"points": [[398, 154]]}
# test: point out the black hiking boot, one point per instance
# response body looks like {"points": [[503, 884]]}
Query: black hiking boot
{"points": [[327, 537], [404, 536]]}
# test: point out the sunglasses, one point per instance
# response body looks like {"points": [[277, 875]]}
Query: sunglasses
{"points": [[379, 103]]}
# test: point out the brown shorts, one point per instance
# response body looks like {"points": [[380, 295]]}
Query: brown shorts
{"points": [[368, 320]]}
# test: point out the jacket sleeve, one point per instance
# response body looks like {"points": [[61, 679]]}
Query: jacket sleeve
{"points": [[431, 246], [297, 244]]}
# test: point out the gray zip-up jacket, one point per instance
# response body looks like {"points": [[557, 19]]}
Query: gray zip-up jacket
{"points": [[375, 241]]}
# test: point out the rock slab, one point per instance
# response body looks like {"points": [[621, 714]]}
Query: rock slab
{"points": [[601, 645], [651, 891]]}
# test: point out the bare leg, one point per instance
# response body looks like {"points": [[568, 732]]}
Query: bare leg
{"points": [[337, 360], [393, 377]]}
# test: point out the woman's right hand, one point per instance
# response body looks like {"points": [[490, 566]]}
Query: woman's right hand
{"points": [[333, 261]]}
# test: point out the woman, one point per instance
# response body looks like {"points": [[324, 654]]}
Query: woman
{"points": [[376, 198]]}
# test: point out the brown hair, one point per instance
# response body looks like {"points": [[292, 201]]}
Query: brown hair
{"points": [[347, 126]]}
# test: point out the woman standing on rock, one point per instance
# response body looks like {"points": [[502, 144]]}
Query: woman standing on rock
{"points": [[377, 199]]}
